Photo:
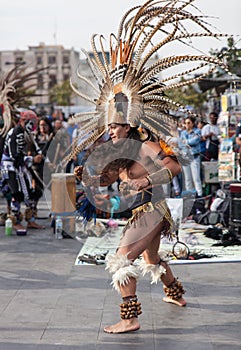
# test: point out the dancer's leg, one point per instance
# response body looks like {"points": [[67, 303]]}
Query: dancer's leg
{"points": [[126, 274], [153, 262]]}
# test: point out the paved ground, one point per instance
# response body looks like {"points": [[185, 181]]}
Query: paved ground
{"points": [[47, 303]]}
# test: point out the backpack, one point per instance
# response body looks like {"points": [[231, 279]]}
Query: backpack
{"points": [[222, 213], [200, 211], [220, 216]]}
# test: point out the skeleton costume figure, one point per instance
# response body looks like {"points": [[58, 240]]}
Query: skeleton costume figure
{"points": [[16, 131], [128, 95], [16, 167]]}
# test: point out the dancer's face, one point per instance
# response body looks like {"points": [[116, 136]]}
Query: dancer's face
{"points": [[118, 131]]}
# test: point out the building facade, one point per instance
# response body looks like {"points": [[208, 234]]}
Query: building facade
{"points": [[61, 64]]}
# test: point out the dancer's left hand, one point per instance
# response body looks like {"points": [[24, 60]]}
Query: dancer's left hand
{"points": [[139, 184]]}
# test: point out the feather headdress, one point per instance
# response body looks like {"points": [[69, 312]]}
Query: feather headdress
{"points": [[128, 90], [13, 93]]}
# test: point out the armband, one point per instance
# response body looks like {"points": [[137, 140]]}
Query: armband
{"points": [[163, 176]]}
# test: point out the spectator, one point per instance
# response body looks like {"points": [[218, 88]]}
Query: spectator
{"points": [[211, 133], [42, 170], [238, 141], [44, 133], [180, 126], [201, 123], [71, 127], [191, 137]]}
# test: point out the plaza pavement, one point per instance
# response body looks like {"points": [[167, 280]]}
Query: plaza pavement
{"points": [[48, 303]]}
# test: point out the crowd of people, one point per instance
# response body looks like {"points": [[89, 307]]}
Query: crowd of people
{"points": [[50, 138], [203, 137]]}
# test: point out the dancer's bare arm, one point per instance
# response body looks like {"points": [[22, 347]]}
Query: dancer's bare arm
{"points": [[106, 178]]}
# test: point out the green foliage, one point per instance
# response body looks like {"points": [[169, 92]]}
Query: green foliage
{"points": [[61, 94], [24, 97], [189, 95], [231, 55]]}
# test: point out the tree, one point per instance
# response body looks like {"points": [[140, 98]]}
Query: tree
{"points": [[24, 96], [61, 94], [232, 56], [190, 96]]}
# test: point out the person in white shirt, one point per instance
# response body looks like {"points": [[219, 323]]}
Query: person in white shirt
{"points": [[211, 133]]}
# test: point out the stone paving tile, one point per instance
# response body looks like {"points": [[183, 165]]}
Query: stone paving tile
{"points": [[48, 303]]}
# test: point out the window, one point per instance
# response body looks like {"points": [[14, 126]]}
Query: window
{"points": [[39, 60], [65, 59], [52, 80], [52, 60], [19, 60]]}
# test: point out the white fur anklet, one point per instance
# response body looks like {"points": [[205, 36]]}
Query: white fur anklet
{"points": [[122, 269], [156, 271]]}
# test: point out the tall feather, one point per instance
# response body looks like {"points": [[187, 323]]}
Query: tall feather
{"points": [[130, 74], [15, 87]]}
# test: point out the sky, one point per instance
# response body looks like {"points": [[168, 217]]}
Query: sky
{"points": [[71, 23]]}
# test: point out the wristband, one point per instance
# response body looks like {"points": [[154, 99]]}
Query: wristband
{"points": [[163, 176]]}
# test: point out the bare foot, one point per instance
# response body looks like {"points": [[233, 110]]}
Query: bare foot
{"points": [[179, 302], [35, 226], [123, 326]]}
